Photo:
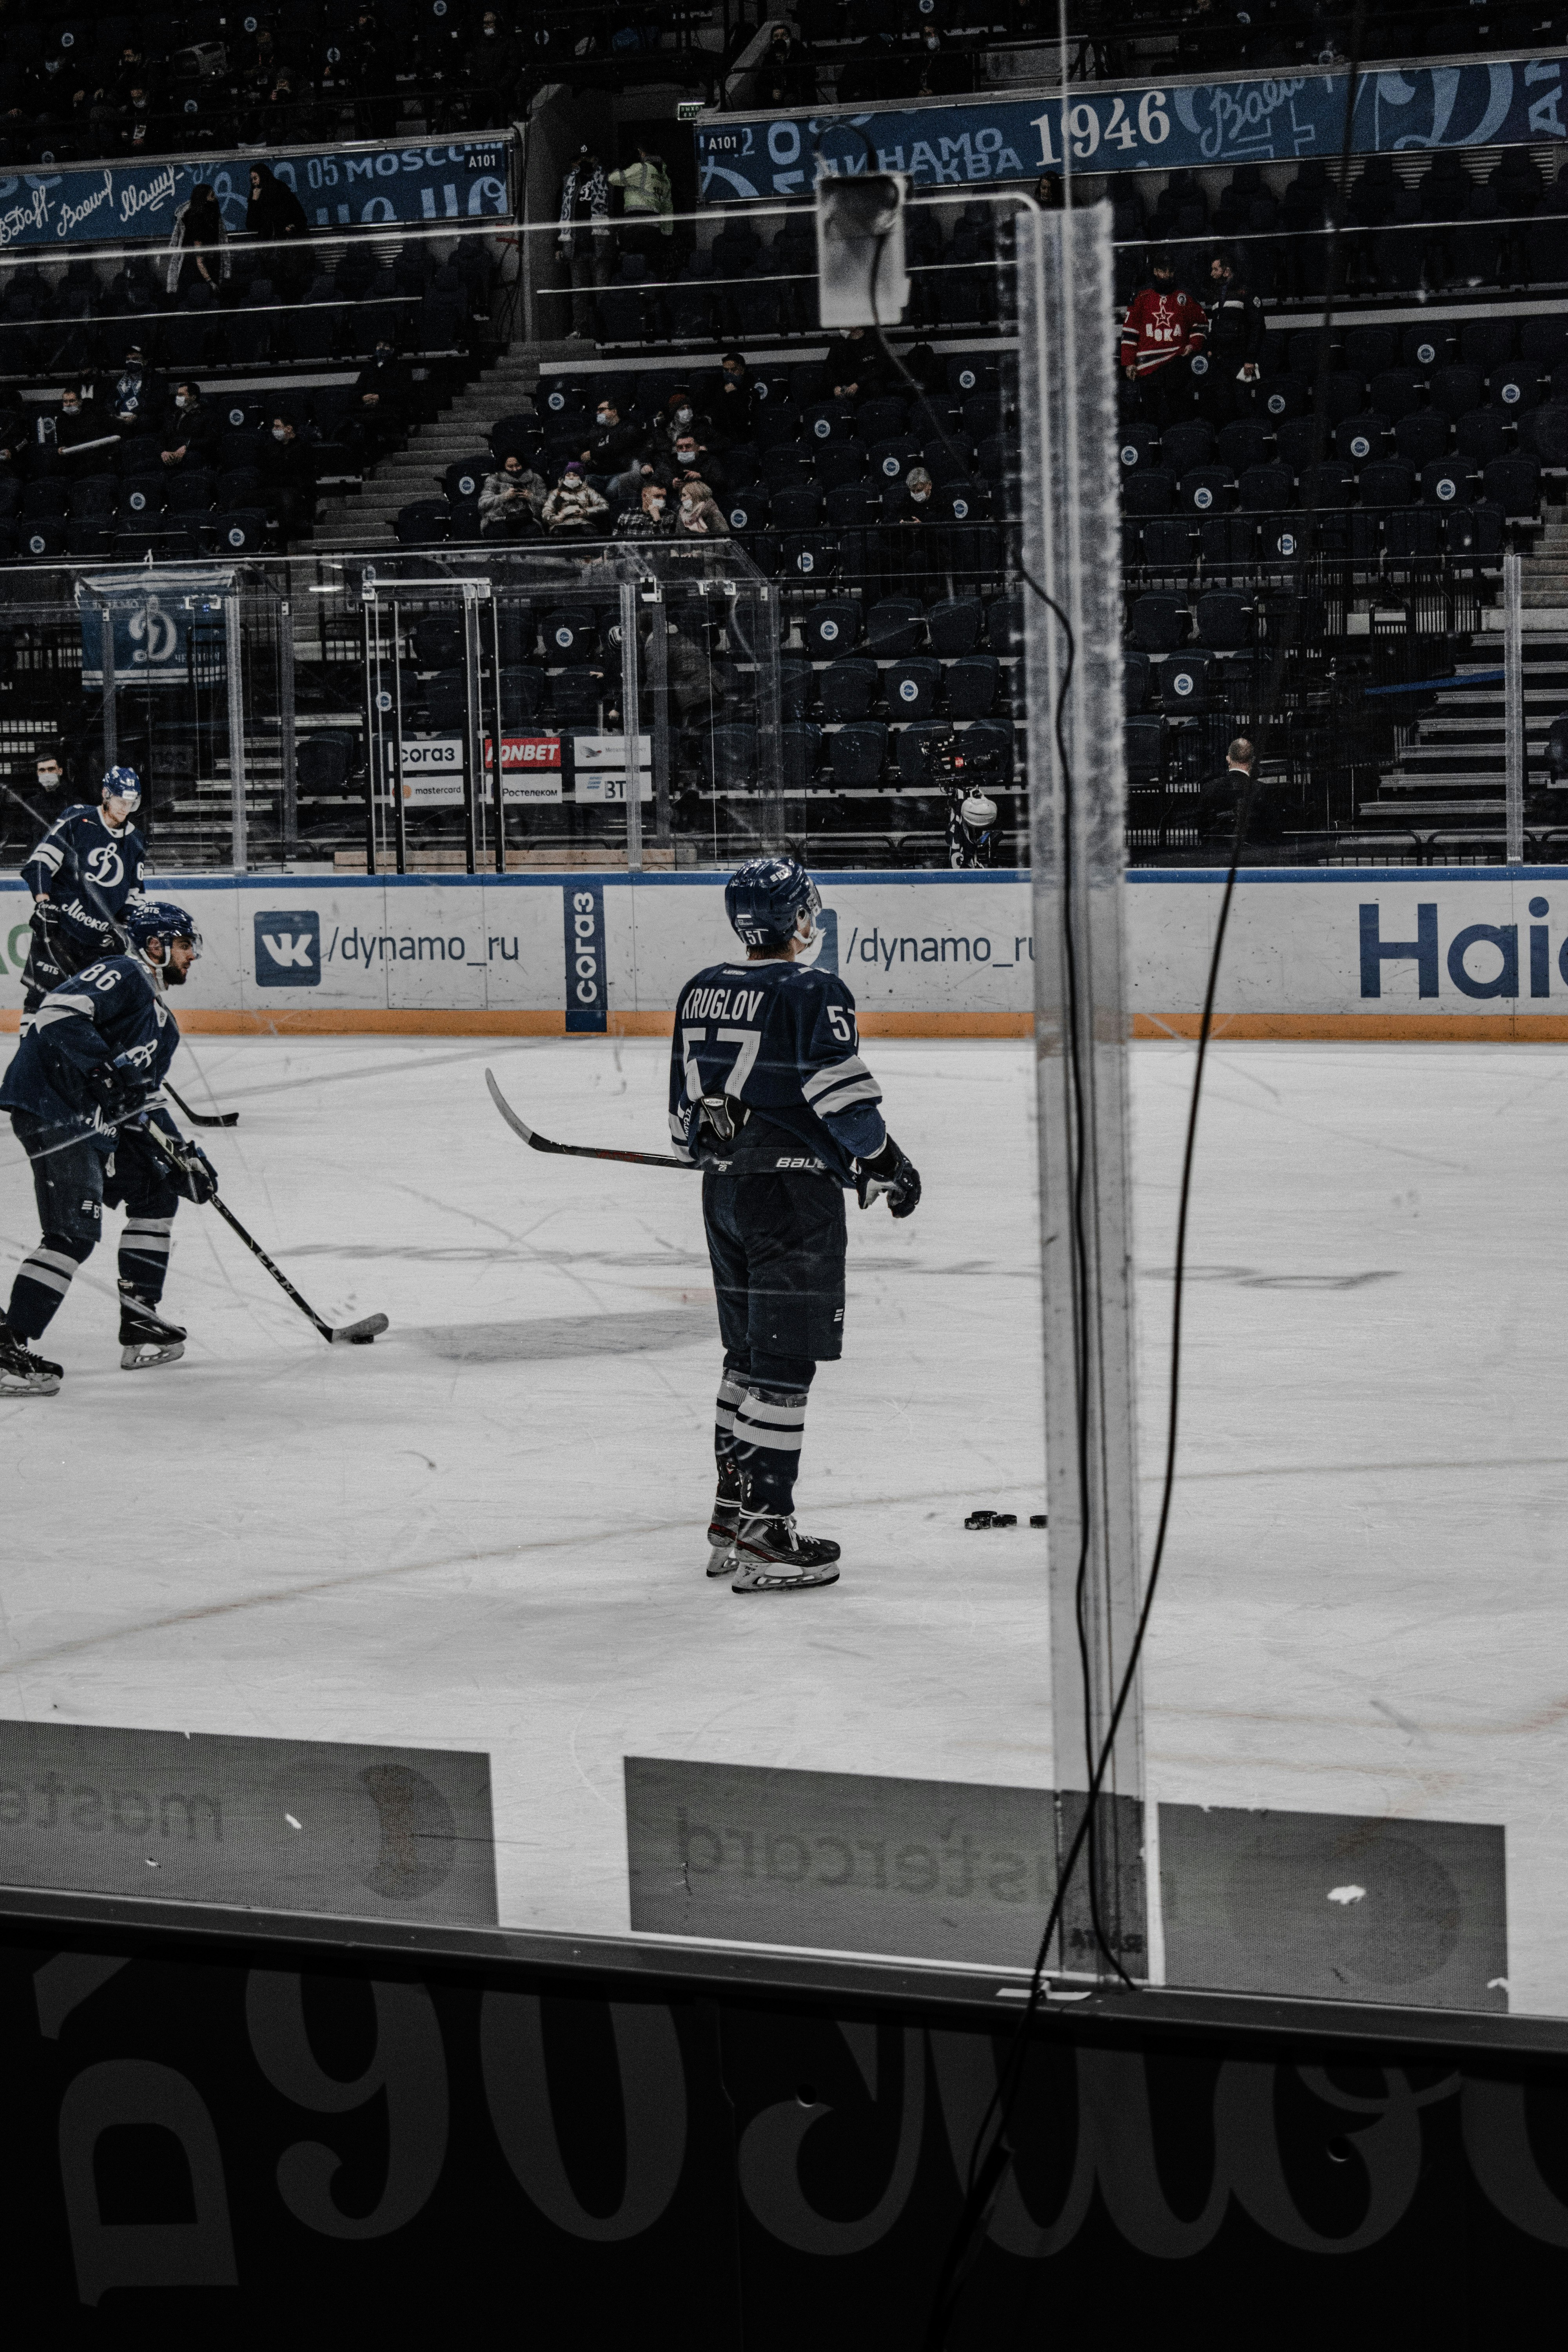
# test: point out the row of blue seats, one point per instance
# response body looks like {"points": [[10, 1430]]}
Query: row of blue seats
{"points": [[1483, 433], [1512, 483], [862, 754], [1366, 537]]}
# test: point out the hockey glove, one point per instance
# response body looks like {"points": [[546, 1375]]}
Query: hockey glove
{"points": [[194, 1177], [720, 1118], [45, 920], [117, 1086], [891, 1173]]}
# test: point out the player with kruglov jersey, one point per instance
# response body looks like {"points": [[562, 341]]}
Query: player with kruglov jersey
{"points": [[1164, 330], [82, 875], [85, 1095], [769, 1096]]}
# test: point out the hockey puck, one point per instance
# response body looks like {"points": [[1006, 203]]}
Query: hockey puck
{"points": [[1005, 1519], [363, 1339], [1038, 1520], [981, 1519]]}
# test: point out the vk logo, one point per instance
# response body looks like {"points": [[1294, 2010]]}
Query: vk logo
{"points": [[289, 948]]}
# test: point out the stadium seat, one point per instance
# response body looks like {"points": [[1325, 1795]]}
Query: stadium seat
{"points": [[1361, 437], [1328, 485], [42, 501], [881, 420], [954, 625], [800, 747], [748, 506], [1515, 388], [797, 686], [1547, 430], [858, 753], [733, 751], [1184, 682], [1168, 545], [191, 492], [42, 536], [1242, 442], [1422, 436], [1341, 392], [911, 685], [914, 746], [796, 509], [788, 465], [1138, 440], [577, 696], [1412, 534], [1486, 343], [972, 686], [891, 460], [852, 505], [523, 693], [838, 462], [1185, 446], [1513, 484], [832, 627], [1224, 620], [1457, 389], [1147, 494], [240, 532], [991, 735], [809, 555], [1159, 623], [1370, 349], [1283, 396], [1005, 623], [1206, 489], [895, 626], [464, 480], [1388, 482], [1430, 345], [1145, 745], [1446, 482], [1482, 435], [424, 523], [847, 687], [1396, 392], [1475, 531], [1263, 490], [142, 495]]}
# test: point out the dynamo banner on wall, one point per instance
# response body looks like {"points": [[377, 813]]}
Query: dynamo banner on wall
{"points": [[340, 187], [1271, 120]]}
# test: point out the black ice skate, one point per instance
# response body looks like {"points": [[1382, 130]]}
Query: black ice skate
{"points": [[724, 1524], [145, 1340], [774, 1557], [21, 1372]]}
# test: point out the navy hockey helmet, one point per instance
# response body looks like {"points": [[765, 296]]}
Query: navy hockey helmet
{"points": [[765, 898], [122, 784], [147, 919]]}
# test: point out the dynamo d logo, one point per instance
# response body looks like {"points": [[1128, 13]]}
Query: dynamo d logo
{"points": [[289, 948]]}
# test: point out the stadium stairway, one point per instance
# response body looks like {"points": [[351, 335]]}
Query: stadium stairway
{"points": [[1444, 795], [365, 519]]}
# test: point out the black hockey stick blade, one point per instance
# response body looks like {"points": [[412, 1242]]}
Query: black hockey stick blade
{"points": [[574, 1150], [199, 1118], [358, 1335]]}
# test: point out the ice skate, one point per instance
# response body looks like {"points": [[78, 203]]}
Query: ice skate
{"points": [[145, 1340], [21, 1372], [774, 1557], [724, 1526]]}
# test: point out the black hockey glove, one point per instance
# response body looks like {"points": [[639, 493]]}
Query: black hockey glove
{"points": [[891, 1174], [117, 1086], [194, 1177], [720, 1118], [45, 920]]}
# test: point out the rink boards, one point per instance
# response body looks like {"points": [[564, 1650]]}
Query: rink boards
{"points": [[1447, 953]]}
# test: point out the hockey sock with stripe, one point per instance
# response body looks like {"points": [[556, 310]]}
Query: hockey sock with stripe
{"points": [[144, 1248], [770, 1428], [731, 1389], [42, 1281]]}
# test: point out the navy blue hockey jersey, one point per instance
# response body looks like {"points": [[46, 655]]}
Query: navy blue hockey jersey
{"points": [[113, 1007], [81, 846], [781, 1038]]}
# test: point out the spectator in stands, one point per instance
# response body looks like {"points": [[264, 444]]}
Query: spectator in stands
{"points": [[136, 397], [785, 75], [285, 114], [850, 365], [938, 71], [492, 66], [137, 128], [371, 70], [1220, 801], [737, 398], [913, 502], [275, 214], [1164, 330], [289, 465], [50, 771], [1234, 342], [198, 249], [625, 490], [698, 514], [190, 436], [512, 499], [582, 240], [1049, 192], [647, 224], [573, 509], [382, 394], [692, 456], [650, 518], [611, 441], [676, 417]]}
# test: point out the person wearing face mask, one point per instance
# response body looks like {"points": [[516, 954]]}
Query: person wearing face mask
{"points": [[913, 502], [512, 499], [611, 443], [650, 518], [851, 366], [289, 465], [697, 513], [137, 128], [78, 429], [678, 415], [573, 509], [693, 456], [276, 218], [136, 398], [190, 436], [198, 249], [50, 772], [939, 72], [736, 400], [382, 394]]}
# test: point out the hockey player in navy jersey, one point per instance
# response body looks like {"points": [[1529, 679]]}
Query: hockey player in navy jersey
{"points": [[769, 1096], [85, 1095], [82, 875]]}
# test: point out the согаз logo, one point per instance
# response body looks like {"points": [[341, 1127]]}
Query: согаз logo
{"points": [[289, 947]]}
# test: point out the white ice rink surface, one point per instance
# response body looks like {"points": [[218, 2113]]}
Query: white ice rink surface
{"points": [[487, 1531]]}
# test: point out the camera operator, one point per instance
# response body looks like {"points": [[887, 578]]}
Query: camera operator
{"points": [[967, 773]]}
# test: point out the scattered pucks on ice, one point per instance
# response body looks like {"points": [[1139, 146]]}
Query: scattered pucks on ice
{"points": [[1005, 1519], [981, 1519]]}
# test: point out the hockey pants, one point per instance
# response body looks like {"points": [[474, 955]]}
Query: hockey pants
{"points": [[776, 1243], [73, 1182]]}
